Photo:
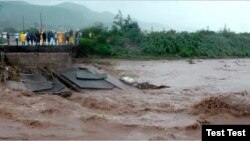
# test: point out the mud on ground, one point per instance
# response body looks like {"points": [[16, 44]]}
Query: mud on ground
{"points": [[197, 95]]}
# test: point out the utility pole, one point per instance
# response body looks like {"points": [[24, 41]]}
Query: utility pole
{"points": [[23, 23], [35, 25], [41, 21]]}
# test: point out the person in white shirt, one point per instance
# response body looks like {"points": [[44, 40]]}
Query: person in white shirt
{"points": [[17, 38]]}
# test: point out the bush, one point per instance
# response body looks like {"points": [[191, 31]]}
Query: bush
{"points": [[97, 30], [86, 47], [197, 44], [93, 47], [126, 39], [1, 40], [116, 40], [102, 50]]}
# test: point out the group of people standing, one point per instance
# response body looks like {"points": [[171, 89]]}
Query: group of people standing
{"points": [[48, 38]]}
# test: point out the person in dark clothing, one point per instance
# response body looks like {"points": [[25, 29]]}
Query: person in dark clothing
{"points": [[8, 38], [17, 38], [49, 36], [31, 38], [56, 37], [67, 38], [75, 38], [52, 39], [37, 39], [44, 37], [28, 38]]}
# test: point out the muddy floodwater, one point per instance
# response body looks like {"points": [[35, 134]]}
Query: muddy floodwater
{"points": [[201, 92]]}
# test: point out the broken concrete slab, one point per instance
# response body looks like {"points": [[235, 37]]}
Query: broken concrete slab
{"points": [[87, 75], [35, 82], [37, 87], [58, 89], [70, 74], [30, 77], [110, 78], [68, 83]]}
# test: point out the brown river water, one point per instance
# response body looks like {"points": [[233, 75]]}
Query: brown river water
{"points": [[206, 92]]}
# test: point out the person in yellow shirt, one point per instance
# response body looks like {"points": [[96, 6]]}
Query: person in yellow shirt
{"points": [[71, 40], [22, 38], [71, 37], [60, 38]]}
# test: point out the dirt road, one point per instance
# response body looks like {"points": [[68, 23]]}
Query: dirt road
{"points": [[207, 92]]}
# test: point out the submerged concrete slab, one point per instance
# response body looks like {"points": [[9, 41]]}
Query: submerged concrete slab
{"points": [[35, 82], [30, 77], [110, 78], [37, 87], [70, 74], [52, 60], [87, 75], [57, 87]]}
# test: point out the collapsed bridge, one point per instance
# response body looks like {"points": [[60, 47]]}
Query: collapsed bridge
{"points": [[49, 69]]}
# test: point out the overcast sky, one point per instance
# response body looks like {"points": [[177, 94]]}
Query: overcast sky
{"points": [[178, 15]]}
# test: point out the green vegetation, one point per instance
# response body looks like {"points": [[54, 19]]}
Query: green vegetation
{"points": [[122, 40], [94, 41], [126, 40], [198, 44], [1, 40]]}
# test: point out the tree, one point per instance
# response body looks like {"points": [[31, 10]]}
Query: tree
{"points": [[98, 30], [133, 31], [127, 24], [118, 22], [126, 27]]}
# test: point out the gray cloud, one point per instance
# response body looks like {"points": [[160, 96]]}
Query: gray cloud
{"points": [[179, 15]]}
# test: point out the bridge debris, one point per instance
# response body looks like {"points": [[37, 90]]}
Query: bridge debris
{"points": [[35, 82], [143, 85], [85, 79], [85, 74]]}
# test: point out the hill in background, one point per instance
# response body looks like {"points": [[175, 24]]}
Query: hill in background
{"points": [[63, 16]]}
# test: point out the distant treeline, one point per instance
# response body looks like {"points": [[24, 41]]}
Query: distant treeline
{"points": [[125, 39], [198, 44]]}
